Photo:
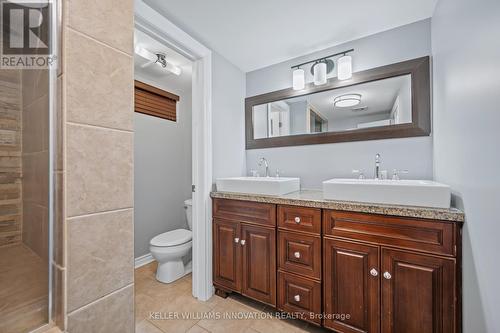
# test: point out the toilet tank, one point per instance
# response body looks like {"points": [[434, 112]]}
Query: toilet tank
{"points": [[188, 206]]}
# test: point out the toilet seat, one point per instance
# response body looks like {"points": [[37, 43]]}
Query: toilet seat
{"points": [[172, 238]]}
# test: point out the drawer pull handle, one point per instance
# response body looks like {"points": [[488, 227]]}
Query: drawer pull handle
{"points": [[373, 272], [242, 242], [387, 275], [297, 219], [296, 254], [296, 298], [236, 240]]}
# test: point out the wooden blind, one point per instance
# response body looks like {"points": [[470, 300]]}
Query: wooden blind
{"points": [[155, 102]]}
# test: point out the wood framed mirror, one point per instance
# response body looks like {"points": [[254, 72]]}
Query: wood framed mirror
{"points": [[391, 101]]}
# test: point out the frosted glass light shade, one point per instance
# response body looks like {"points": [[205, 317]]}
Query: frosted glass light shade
{"points": [[344, 67], [145, 53], [299, 79], [319, 73], [347, 100]]}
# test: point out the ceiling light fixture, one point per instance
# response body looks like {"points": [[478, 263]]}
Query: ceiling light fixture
{"points": [[299, 79], [322, 67], [159, 59], [347, 100]]}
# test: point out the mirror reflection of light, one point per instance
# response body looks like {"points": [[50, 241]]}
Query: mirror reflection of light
{"points": [[347, 100]]}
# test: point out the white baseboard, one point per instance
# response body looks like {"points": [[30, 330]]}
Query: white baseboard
{"points": [[143, 260]]}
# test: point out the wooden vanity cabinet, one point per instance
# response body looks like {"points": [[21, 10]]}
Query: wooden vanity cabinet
{"points": [[244, 249], [227, 254], [351, 286], [347, 271], [299, 262], [401, 276]]}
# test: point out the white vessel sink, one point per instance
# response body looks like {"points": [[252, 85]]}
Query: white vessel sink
{"points": [[259, 185], [423, 193]]}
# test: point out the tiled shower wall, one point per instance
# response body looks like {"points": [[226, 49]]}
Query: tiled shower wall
{"points": [[10, 157], [97, 112], [35, 160]]}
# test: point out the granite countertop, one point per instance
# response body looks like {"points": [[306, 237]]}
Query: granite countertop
{"points": [[314, 198]]}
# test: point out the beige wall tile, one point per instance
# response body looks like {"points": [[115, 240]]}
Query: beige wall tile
{"points": [[58, 283], [111, 314], [59, 220], [100, 255], [36, 178], [99, 170], [58, 123], [99, 82], [36, 125], [110, 21], [35, 84], [35, 229]]}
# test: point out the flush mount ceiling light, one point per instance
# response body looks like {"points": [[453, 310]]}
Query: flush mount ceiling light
{"points": [[299, 79], [347, 100], [157, 58], [321, 68]]}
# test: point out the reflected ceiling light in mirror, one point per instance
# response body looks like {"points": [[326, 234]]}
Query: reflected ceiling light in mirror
{"points": [[299, 79], [319, 73], [157, 58], [347, 100], [344, 67]]}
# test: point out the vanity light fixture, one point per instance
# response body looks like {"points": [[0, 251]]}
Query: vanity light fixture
{"points": [[157, 58], [319, 73], [321, 68], [347, 100], [299, 79], [344, 67]]}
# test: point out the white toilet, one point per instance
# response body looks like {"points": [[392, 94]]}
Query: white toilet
{"points": [[172, 250]]}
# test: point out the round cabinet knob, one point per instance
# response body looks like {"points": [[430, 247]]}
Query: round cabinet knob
{"points": [[373, 272], [297, 219], [296, 298], [242, 242], [236, 240], [296, 254], [387, 275]]}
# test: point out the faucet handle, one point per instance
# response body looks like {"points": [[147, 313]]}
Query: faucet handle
{"points": [[278, 173], [360, 173], [396, 173]]}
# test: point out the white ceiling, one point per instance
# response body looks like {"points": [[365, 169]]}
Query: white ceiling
{"points": [[259, 33]]}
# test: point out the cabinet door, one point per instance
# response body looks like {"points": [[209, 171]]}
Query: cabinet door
{"points": [[259, 263], [351, 286], [227, 254], [418, 293]]}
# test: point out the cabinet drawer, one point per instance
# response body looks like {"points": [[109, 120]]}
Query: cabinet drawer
{"points": [[300, 218], [299, 296], [300, 254], [245, 211], [416, 234]]}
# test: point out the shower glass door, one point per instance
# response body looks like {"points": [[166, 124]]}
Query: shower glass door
{"points": [[27, 76]]}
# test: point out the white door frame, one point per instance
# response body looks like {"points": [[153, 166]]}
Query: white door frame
{"points": [[154, 24]]}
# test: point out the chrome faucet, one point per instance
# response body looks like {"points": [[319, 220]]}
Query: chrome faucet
{"points": [[266, 164], [377, 166]]}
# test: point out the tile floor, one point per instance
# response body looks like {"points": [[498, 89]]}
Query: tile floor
{"points": [[169, 302], [23, 289]]}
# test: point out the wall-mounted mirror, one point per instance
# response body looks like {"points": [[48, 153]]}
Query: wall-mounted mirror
{"points": [[385, 102]]}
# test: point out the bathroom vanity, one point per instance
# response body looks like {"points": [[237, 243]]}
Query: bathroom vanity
{"points": [[350, 267]]}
